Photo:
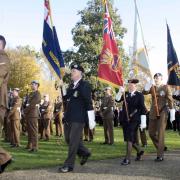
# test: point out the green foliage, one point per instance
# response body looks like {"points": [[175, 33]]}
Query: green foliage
{"points": [[23, 68], [54, 152], [87, 37]]}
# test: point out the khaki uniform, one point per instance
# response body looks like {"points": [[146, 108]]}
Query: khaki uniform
{"points": [[58, 118], [14, 117], [157, 126], [107, 116], [4, 76], [46, 118], [32, 115]]}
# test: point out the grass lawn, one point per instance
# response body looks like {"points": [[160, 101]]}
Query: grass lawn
{"points": [[54, 152]]}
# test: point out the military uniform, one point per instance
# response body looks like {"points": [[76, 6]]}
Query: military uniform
{"points": [[78, 102], [157, 126], [58, 118], [107, 107], [136, 108], [45, 110], [32, 115], [133, 116], [14, 117], [4, 76]]}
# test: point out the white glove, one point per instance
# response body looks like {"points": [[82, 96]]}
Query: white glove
{"points": [[143, 122], [64, 90], [119, 94], [147, 86], [91, 117], [172, 115]]}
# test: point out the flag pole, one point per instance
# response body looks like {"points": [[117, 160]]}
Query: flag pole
{"points": [[146, 52], [61, 80], [126, 106], [125, 102], [50, 14]]}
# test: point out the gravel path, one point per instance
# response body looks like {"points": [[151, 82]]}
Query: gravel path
{"points": [[108, 169]]}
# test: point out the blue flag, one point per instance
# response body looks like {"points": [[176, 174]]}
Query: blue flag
{"points": [[173, 64], [50, 44], [58, 51]]}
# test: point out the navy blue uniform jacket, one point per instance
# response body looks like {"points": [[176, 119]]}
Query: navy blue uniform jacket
{"points": [[136, 107], [78, 101]]}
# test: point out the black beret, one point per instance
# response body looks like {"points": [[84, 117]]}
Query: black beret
{"points": [[134, 81], [158, 75], [78, 67]]}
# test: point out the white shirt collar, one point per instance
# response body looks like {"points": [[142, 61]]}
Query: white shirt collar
{"points": [[76, 82], [132, 93]]}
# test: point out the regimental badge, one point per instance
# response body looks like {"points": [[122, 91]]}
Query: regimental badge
{"points": [[162, 93], [111, 59], [76, 94]]}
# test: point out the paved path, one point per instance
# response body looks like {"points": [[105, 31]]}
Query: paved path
{"points": [[108, 169]]}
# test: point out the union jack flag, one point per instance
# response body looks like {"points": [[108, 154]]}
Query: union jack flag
{"points": [[108, 28]]}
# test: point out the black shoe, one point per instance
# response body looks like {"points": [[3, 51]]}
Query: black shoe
{"points": [[3, 166], [65, 169], [84, 159], [159, 159], [165, 148], [139, 156], [85, 139], [125, 162]]}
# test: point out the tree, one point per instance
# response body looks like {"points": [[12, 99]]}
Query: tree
{"points": [[27, 65], [87, 37], [23, 68]]}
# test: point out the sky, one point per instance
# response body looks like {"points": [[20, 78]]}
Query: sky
{"points": [[21, 22]]}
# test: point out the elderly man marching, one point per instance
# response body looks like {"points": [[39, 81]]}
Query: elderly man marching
{"points": [[32, 115], [5, 158], [133, 115], [161, 96], [78, 110]]}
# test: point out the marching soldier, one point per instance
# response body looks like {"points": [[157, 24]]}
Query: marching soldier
{"points": [[133, 115], [107, 111], [45, 110], [32, 115], [14, 117], [5, 157], [78, 109], [157, 124], [58, 117]]}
